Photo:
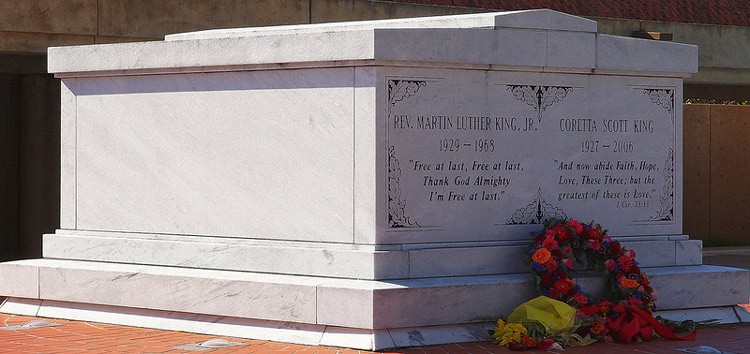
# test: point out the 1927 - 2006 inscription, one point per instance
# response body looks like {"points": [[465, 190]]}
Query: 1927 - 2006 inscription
{"points": [[522, 153]]}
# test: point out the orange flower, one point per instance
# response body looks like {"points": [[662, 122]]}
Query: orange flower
{"points": [[541, 256], [597, 327], [628, 283], [528, 341]]}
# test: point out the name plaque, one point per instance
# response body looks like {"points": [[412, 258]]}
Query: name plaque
{"points": [[484, 154]]}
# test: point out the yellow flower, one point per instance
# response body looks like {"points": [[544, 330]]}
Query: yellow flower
{"points": [[499, 330], [506, 333], [512, 333], [500, 323]]}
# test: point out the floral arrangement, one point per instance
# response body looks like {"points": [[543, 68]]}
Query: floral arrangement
{"points": [[515, 336], [561, 243], [625, 315]]}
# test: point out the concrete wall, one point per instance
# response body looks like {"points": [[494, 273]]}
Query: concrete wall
{"points": [[723, 49], [33, 25], [716, 173]]}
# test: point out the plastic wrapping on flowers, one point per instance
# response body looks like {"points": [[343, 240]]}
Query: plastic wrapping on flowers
{"points": [[556, 316], [541, 323]]}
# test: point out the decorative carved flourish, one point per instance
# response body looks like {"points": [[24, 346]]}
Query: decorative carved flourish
{"points": [[396, 206], [539, 97], [666, 213], [399, 90], [662, 97], [536, 212]]}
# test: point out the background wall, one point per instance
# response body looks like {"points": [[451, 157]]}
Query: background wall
{"points": [[29, 154], [717, 159]]}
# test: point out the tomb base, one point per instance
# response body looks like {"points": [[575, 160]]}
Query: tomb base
{"points": [[335, 260], [362, 314]]}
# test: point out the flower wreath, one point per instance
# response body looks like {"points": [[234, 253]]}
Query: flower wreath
{"points": [[625, 316], [562, 243]]}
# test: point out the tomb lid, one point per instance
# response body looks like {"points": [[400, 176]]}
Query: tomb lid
{"points": [[540, 19], [532, 40]]}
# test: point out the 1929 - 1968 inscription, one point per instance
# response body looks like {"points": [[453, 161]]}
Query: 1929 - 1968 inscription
{"points": [[526, 153]]}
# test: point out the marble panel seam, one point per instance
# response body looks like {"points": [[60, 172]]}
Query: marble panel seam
{"points": [[354, 153], [368, 62]]}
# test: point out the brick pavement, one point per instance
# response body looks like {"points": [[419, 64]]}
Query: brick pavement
{"points": [[87, 337]]}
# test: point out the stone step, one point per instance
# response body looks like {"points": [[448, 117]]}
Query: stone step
{"points": [[335, 260], [316, 303]]}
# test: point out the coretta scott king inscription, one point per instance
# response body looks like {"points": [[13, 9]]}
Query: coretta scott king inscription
{"points": [[483, 153]]}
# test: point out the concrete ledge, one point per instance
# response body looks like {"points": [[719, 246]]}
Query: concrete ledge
{"points": [[623, 53], [249, 328], [19, 279], [362, 307], [229, 254], [699, 286], [719, 315], [313, 259]]}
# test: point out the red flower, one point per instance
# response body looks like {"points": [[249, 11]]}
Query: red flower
{"points": [[604, 307], [635, 302], [626, 263], [615, 248], [610, 265], [549, 233], [549, 243], [595, 244], [546, 278], [576, 225], [563, 286], [544, 344], [568, 263], [567, 250], [551, 265], [594, 234], [561, 232], [581, 299], [553, 293]]}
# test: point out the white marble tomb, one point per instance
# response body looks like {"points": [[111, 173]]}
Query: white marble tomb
{"points": [[368, 185]]}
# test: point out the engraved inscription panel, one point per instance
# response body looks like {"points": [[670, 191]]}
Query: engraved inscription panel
{"points": [[481, 156]]}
